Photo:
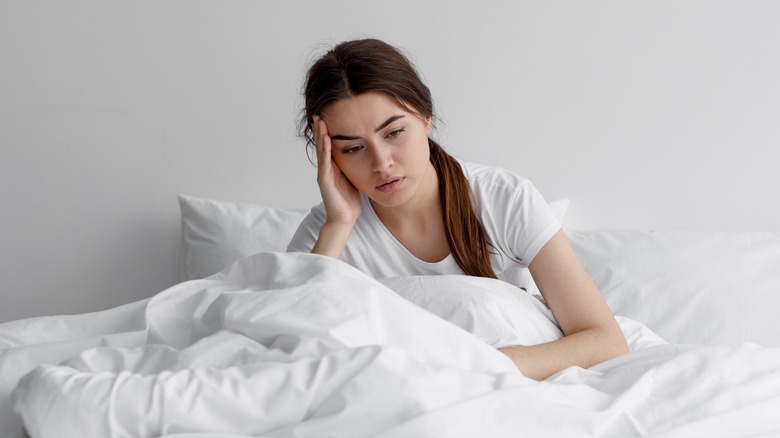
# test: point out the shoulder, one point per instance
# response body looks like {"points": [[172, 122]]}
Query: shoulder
{"points": [[494, 181], [491, 175], [514, 214]]}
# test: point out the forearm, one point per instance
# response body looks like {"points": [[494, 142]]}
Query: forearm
{"points": [[585, 349], [332, 239]]}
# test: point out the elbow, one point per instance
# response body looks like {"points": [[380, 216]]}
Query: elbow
{"points": [[609, 343], [614, 342]]}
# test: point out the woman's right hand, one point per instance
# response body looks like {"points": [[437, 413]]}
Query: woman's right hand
{"points": [[341, 198]]}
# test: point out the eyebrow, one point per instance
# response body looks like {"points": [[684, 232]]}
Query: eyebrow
{"points": [[379, 128]]}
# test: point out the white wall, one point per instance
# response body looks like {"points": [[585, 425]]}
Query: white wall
{"points": [[659, 114]]}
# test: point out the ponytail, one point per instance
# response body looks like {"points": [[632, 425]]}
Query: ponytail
{"points": [[464, 232]]}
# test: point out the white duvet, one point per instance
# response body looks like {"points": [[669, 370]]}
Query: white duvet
{"points": [[299, 345]]}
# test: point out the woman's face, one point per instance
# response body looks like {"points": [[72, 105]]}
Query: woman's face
{"points": [[380, 147]]}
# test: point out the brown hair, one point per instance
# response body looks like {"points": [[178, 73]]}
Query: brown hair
{"points": [[359, 66]]}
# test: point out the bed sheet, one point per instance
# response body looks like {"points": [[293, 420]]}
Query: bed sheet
{"points": [[284, 345]]}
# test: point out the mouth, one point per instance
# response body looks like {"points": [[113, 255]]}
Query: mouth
{"points": [[390, 184]]}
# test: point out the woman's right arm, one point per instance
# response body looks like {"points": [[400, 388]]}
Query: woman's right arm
{"points": [[340, 197]]}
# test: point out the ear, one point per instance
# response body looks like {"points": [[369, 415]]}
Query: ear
{"points": [[428, 125]]}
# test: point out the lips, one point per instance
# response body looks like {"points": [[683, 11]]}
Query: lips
{"points": [[390, 184]]}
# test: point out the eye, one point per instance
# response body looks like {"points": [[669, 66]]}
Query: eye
{"points": [[395, 133], [352, 149]]}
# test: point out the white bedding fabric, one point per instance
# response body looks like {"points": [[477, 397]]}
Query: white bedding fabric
{"points": [[299, 345], [702, 287]]}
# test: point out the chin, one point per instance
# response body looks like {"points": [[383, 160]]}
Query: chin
{"points": [[389, 201]]}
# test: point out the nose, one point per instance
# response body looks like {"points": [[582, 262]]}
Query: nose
{"points": [[382, 158]]}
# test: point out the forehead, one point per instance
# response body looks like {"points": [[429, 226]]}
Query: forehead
{"points": [[362, 112]]}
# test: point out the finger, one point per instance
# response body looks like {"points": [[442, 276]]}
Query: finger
{"points": [[322, 126], [315, 128], [323, 140], [319, 130], [315, 134], [323, 148], [314, 122], [326, 146]]}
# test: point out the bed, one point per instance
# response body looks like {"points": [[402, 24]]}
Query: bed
{"points": [[257, 342]]}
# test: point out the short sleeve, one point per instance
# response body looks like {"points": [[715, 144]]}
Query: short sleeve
{"points": [[536, 226], [515, 215]]}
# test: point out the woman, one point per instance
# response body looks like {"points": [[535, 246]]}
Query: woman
{"points": [[395, 203]]}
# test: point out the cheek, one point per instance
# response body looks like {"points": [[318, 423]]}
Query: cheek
{"points": [[424, 152], [349, 167]]}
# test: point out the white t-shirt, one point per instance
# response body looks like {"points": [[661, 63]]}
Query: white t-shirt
{"points": [[515, 216]]}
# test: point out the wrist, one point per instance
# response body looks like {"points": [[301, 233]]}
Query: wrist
{"points": [[332, 238], [335, 228]]}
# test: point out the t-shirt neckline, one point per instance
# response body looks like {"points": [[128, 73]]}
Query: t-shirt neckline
{"points": [[370, 209]]}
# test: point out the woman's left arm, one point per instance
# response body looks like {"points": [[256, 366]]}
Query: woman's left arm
{"points": [[592, 334]]}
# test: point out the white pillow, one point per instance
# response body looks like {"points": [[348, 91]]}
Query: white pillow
{"points": [[494, 311], [217, 233], [702, 287], [497, 312]]}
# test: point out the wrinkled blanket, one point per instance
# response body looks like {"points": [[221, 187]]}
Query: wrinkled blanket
{"points": [[299, 345]]}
